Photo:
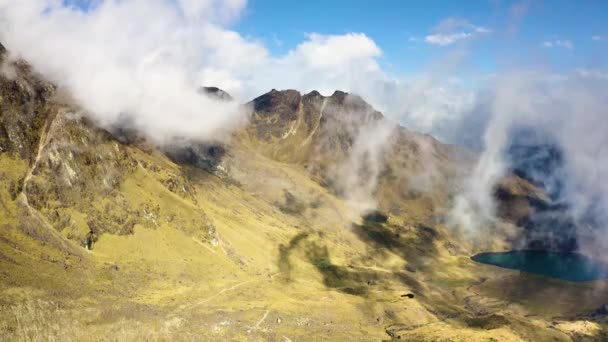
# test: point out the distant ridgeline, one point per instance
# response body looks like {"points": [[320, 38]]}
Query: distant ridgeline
{"points": [[538, 158]]}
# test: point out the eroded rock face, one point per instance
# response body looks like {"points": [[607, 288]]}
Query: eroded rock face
{"points": [[24, 108], [78, 167]]}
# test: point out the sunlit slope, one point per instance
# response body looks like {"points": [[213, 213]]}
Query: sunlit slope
{"points": [[104, 237]]}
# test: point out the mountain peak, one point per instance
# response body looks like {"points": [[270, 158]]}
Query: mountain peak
{"points": [[2, 51], [273, 91], [217, 93], [339, 94], [314, 93]]}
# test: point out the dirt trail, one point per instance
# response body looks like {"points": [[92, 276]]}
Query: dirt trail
{"points": [[41, 146], [224, 290], [257, 325]]}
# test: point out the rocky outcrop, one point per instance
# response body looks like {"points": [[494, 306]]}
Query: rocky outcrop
{"points": [[24, 109], [217, 93], [277, 115]]}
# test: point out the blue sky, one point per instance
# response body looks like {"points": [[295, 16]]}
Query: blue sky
{"points": [[556, 34]]}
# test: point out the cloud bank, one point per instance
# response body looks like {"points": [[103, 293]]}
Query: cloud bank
{"points": [[139, 62]]}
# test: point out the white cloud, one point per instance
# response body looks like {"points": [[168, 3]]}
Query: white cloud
{"points": [[446, 39], [329, 51], [137, 60], [321, 62], [598, 38], [452, 30], [222, 11], [558, 43], [480, 29], [452, 24]]}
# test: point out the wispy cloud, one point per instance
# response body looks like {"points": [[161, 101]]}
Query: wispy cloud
{"points": [[276, 40], [598, 38], [446, 39], [481, 29], [452, 30], [558, 43]]}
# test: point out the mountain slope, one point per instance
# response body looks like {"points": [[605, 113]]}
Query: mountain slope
{"points": [[255, 238], [346, 145]]}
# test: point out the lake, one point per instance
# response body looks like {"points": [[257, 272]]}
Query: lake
{"points": [[561, 265]]}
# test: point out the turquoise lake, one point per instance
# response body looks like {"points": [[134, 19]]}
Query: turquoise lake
{"points": [[561, 265]]}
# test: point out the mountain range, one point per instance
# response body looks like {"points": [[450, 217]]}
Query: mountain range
{"points": [[317, 218]]}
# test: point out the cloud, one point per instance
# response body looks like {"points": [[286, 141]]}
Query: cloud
{"points": [[591, 74], [331, 51], [566, 44], [561, 110], [452, 30], [137, 61], [222, 11], [321, 62], [446, 39], [598, 38], [480, 29], [357, 177], [452, 24]]}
